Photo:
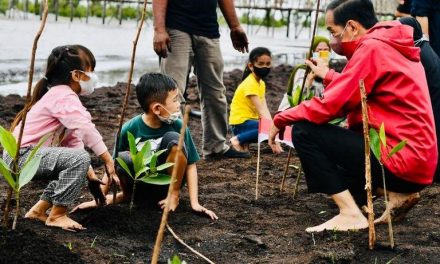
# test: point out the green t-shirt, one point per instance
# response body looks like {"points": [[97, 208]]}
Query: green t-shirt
{"points": [[139, 129]]}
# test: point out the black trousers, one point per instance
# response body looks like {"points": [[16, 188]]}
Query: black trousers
{"points": [[333, 160]]}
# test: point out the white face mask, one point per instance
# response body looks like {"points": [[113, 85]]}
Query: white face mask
{"points": [[87, 87], [171, 118]]}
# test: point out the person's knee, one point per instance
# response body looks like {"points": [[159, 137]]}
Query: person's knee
{"points": [[170, 136], [81, 159]]}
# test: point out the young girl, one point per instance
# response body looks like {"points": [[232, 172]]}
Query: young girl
{"points": [[55, 109], [249, 103]]}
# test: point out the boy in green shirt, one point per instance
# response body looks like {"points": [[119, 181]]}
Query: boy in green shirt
{"points": [[158, 96]]}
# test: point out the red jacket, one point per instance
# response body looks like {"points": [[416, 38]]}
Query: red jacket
{"points": [[397, 94]]}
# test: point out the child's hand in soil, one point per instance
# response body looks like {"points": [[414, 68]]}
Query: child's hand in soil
{"points": [[200, 209], [85, 205], [174, 202]]}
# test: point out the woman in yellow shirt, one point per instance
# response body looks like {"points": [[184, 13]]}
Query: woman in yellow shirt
{"points": [[249, 103]]}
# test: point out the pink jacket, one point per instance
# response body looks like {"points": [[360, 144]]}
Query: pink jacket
{"points": [[61, 112], [397, 95]]}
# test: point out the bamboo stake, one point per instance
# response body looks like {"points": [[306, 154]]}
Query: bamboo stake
{"points": [[286, 169], [23, 121], [258, 171], [128, 88], [187, 246], [163, 222], [371, 230], [295, 188], [311, 47]]}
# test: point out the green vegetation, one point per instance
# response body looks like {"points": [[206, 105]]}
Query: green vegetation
{"points": [[79, 8], [255, 20], [144, 164], [18, 178]]}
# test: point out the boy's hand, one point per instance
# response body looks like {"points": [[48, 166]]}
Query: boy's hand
{"points": [[200, 209], [174, 202], [275, 146]]}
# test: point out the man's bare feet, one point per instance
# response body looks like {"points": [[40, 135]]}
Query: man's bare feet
{"points": [[38, 211], [342, 222], [236, 144], [64, 222], [398, 206]]}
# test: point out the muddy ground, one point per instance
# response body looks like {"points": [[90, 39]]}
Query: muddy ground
{"points": [[267, 230]]}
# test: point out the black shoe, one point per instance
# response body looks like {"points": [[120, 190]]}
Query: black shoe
{"points": [[229, 154]]}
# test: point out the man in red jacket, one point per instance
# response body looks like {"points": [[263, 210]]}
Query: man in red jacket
{"points": [[383, 55]]}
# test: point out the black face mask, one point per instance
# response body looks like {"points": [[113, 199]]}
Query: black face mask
{"points": [[261, 72]]}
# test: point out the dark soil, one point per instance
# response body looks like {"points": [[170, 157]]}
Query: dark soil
{"points": [[267, 230]]}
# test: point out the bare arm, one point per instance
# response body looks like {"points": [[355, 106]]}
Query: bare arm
{"points": [[238, 36], [261, 106], [161, 40], [193, 191], [424, 24]]}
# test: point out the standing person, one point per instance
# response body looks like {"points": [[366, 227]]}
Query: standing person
{"points": [[383, 55], [186, 32], [427, 12], [249, 102], [56, 108]]}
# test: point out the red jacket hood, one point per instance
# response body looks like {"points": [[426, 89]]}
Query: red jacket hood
{"points": [[398, 36]]}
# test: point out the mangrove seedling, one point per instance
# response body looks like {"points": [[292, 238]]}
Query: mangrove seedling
{"points": [[379, 142], [17, 178], [145, 168]]}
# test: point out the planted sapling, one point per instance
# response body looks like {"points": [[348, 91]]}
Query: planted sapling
{"points": [[18, 178], [145, 168], [379, 141]]}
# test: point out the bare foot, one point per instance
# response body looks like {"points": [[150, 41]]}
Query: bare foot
{"points": [[35, 215], [236, 144], [65, 223], [398, 206], [342, 222]]}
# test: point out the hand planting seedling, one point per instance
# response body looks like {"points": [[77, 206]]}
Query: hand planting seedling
{"points": [[18, 178], [144, 165]]}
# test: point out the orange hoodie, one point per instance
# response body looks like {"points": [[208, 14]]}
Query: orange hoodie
{"points": [[397, 93]]}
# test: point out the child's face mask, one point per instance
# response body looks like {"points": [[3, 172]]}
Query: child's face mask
{"points": [[172, 117], [87, 87], [261, 72]]}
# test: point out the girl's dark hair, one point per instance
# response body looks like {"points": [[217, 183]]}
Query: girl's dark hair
{"points": [[61, 62], [152, 88], [253, 56], [361, 11]]}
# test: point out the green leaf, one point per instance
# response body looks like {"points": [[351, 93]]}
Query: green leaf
{"points": [[146, 150], [375, 143], [138, 163], [159, 152], [37, 147], [382, 135], [143, 170], [132, 143], [310, 96], [164, 166], [124, 166], [7, 140], [28, 172], [137, 141], [397, 148], [6, 172], [153, 163], [160, 179], [296, 97]]}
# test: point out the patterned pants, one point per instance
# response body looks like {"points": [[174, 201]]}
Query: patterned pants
{"points": [[69, 166]]}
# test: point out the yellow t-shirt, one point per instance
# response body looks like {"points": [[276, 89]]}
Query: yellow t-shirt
{"points": [[242, 108]]}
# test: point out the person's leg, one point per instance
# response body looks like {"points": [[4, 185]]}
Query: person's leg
{"points": [[244, 133], [178, 62], [70, 166], [208, 63], [324, 150]]}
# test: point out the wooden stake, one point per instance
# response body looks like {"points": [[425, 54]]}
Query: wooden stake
{"points": [[128, 88], [298, 177], [163, 222], [186, 245], [371, 233], [286, 169], [26, 106], [258, 171]]}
